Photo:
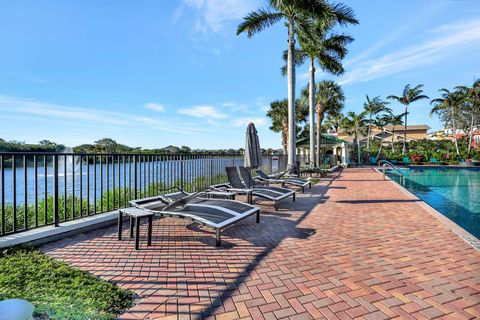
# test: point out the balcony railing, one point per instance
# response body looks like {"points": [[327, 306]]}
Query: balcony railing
{"points": [[41, 189]]}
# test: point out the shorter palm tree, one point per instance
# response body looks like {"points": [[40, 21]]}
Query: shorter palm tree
{"points": [[408, 96], [373, 107], [447, 108], [355, 125], [394, 120]]}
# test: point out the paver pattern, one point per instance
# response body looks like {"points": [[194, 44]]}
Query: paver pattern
{"points": [[354, 246]]}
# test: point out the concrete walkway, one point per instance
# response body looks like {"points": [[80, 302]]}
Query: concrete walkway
{"points": [[353, 246]]}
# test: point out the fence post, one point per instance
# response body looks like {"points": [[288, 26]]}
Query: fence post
{"points": [[55, 190], [135, 192], [181, 172]]}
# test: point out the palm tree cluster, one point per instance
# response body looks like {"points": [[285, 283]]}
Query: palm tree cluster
{"points": [[459, 110], [310, 23]]}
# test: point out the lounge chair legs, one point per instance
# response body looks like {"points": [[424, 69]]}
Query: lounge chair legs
{"points": [[258, 216], [149, 234], [120, 224], [131, 227], [303, 189], [293, 197], [219, 240], [276, 205], [137, 233]]}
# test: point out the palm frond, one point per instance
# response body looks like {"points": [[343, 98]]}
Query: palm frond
{"points": [[257, 21]]}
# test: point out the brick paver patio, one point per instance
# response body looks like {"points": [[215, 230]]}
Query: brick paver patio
{"points": [[353, 246]]}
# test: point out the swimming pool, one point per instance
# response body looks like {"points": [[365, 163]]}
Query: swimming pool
{"points": [[455, 192]]}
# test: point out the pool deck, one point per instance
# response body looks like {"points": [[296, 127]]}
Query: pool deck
{"points": [[355, 246]]}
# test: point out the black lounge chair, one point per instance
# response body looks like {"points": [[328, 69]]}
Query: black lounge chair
{"points": [[235, 184], [302, 183], [217, 214]]}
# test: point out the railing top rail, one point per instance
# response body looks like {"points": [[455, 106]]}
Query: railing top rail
{"points": [[391, 165], [28, 153]]}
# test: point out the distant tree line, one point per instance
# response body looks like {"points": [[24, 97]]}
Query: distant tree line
{"points": [[108, 145]]}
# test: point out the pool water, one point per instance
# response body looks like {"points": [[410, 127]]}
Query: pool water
{"points": [[455, 192]]}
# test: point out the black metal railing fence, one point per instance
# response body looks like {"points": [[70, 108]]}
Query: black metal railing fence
{"points": [[40, 189]]}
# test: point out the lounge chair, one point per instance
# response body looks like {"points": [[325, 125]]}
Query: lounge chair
{"points": [[263, 177], [406, 160], [217, 214], [235, 184], [434, 160]]}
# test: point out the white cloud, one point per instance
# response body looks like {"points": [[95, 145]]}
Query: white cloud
{"points": [[203, 111], [213, 15], [155, 106], [47, 112], [243, 122], [454, 40]]}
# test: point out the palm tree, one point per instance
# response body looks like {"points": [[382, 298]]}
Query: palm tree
{"points": [[297, 14], [447, 106], [408, 96], [355, 124], [381, 122], [372, 108], [327, 50], [329, 99], [394, 120], [472, 106], [333, 121], [279, 114]]}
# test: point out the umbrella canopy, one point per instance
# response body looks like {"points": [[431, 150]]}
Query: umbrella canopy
{"points": [[253, 154]]}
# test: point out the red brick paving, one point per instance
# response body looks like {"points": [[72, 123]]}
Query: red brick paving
{"points": [[354, 246]]}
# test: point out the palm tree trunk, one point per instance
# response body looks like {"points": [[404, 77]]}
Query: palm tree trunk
{"points": [[292, 163], [369, 132], [454, 128], [285, 137], [320, 115], [472, 119], [319, 139], [393, 138], [381, 144], [311, 111], [358, 148], [405, 132]]}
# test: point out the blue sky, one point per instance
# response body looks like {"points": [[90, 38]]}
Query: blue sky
{"points": [[155, 73]]}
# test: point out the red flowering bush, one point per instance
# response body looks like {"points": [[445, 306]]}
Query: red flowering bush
{"points": [[416, 157]]}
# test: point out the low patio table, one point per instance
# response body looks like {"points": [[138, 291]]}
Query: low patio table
{"points": [[135, 216]]}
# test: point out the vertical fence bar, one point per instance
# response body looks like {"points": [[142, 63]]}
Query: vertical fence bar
{"points": [[107, 172], [81, 186], [2, 173], [55, 190], [73, 187], [25, 193], [88, 185], [45, 190], [65, 177], [135, 194], [119, 183], [124, 182], [101, 183], [35, 188], [14, 193], [113, 181], [94, 184]]}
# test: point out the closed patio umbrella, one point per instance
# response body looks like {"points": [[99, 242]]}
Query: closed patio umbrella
{"points": [[253, 154]]}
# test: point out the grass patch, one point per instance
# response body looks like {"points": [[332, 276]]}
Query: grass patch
{"points": [[56, 289]]}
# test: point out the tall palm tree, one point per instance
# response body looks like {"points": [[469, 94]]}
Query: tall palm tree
{"points": [[327, 50], [297, 14], [354, 124], [409, 95], [381, 121], [373, 107], [394, 120], [449, 104], [278, 113], [329, 99]]}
